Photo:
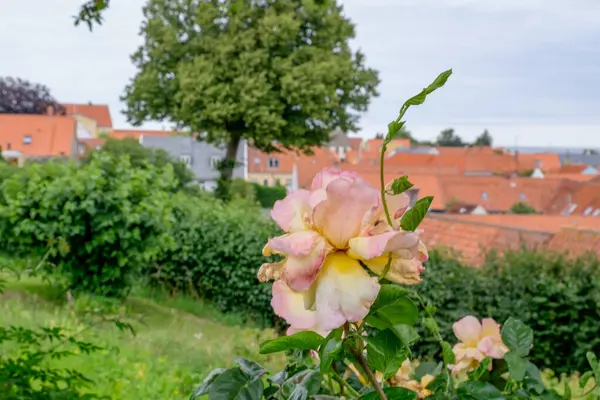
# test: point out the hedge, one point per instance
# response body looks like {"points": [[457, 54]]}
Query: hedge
{"points": [[556, 295], [216, 253], [268, 195]]}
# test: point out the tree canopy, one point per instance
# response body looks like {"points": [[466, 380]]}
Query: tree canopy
{"points": [[267, 71], [143, 157], [18, 96], [91, 12], [448, 138], [485, 139]]}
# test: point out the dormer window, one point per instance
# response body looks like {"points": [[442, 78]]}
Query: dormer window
{"points": [[484, 196], [27, 139], [273, 162]]}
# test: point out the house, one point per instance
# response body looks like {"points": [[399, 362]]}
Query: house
{"points": [[288, 168], [26, 136], [138, 133], [92, 119], [469, 237], [586, 159], [201, 158]]}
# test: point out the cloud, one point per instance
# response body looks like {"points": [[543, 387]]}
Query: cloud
{"points": [[519, 65]]}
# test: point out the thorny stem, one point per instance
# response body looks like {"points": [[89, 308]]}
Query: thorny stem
{"points": [[358, 354], [345, 384], [385, 206], [436, 333]]}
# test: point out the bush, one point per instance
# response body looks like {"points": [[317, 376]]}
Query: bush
{"points": [[522, 207], [102, 221], [215, 253], [267, 195], [557, 296]]}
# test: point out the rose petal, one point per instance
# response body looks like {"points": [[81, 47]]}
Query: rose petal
{"points": [[340, 217], [292, 212], [491, 348], [270, 271], [345, 291], [323, 178], [406, 272], [369, 247], [289, 305], [468, 330], [489, 327], [298, 244]]}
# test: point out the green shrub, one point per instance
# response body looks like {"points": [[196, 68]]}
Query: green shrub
{"points": [[522, 207], [267, 195], [216, 252], [103, 221], [557, 296]]}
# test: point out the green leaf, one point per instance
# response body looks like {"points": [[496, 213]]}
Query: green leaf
{"points": [[479, 391], [407, 334], [533, 379], [401, 185], [482, 370], [585, 378], [206, 383], [385, 352], [393, 128], [412, 218], [309, 379], [567, 392], [517, 336], [306, 340], [516, 365], [233, 384], [251, 368], [392, 393], [330, 350], [447, 353], [392, 307], [436, 84], [299, 393], [428, 368]]}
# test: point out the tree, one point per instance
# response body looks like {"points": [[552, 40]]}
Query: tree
{"points": [[142, 157], [18, 96], [485, 139], [267, 71], [448, 138], [522, 207], [91, 12]]}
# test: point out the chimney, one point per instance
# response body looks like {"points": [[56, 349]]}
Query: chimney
{"points": [[49, 110]]}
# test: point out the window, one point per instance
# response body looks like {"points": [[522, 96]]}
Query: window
{"points": [[186, 159], [214, 161], [596, 213], [587, 211], [273, 162], [484, 195], [570, 208], [27, 139], [266, 182], [522, 197]]}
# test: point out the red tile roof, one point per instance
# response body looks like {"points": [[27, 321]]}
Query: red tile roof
{"points": [[48, 135], [471, 236], [98, 112], [136, 133], [546, 161]]}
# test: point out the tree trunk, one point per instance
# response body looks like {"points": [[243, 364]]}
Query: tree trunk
{"points": [[230, 158]]}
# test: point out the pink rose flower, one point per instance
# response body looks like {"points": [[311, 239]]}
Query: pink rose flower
{"points": [[477, 341], [330, 229]]}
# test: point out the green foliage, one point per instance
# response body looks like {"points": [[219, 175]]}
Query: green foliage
{"points": [[214, 252], [415, 215], [485, 139], [448, 138], [268, 195], [102, 221], [555, 295], [264, 71], [522, 207], [143, 157], [26, 373]]}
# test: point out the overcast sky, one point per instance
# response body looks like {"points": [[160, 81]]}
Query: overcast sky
{"points": [[527, 70]]}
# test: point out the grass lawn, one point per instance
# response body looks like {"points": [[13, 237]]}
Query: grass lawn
{"points": [[177, 342]]}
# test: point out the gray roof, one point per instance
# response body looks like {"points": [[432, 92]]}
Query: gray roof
{"points": [[200, 155], [588, 159]]}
